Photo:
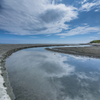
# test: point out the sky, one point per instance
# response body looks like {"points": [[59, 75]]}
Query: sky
{"points": [[49, 21]]}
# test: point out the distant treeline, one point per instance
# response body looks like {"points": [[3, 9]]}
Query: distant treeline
{"points": [[95, 41]]}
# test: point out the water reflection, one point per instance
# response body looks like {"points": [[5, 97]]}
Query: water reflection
{"points": [[37, 74]]}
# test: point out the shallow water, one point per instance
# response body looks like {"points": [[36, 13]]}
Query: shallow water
{"points": [[37, 74]]}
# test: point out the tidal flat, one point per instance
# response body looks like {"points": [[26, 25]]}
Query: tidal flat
{"points": [[5, 51], [45, 70], [89, 51], [38, 74]]}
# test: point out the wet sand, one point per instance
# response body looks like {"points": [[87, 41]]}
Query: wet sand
{"points": [[90, 51]]}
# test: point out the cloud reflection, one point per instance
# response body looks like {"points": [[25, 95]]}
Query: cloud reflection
{"points": [[39, 72], [50, 76], [50, 63]]}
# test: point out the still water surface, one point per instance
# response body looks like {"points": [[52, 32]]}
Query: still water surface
{"points": [[37, 74]]}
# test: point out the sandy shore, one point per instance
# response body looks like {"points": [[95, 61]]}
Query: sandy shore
{"points": [[90, 51], [6, 50]]}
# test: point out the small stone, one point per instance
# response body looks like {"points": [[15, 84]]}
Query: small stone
{"points": [[4, 84], [1, 74]]}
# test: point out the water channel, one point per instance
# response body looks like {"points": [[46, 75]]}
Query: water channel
{"points": [[37, 74]]}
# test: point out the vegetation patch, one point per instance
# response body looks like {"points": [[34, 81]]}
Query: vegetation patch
{"points": [[95, 41]]}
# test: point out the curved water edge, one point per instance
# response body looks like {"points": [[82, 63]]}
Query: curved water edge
{"points": [[6, 89], [6, 92], [43, 75], [5, 82]]}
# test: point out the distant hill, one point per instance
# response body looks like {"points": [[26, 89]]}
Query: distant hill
{"points": [[95, 41]]}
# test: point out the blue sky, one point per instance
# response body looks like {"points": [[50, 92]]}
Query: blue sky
{"points": [[49, 21]]}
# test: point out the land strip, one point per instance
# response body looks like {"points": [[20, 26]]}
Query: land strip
{"points": [[90, 51]]}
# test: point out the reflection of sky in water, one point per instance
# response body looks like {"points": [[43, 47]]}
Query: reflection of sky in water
{"points": [[37, 74]]}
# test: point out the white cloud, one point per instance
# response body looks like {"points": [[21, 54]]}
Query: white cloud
{"points": [[80, 30], [96, 10], [83, 1], [30, 17], [87, 6]]}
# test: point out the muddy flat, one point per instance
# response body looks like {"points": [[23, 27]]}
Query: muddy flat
{"points": [[91, 51]]}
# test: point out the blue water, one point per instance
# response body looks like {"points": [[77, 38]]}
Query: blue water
{"points": [[37, 74]]}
